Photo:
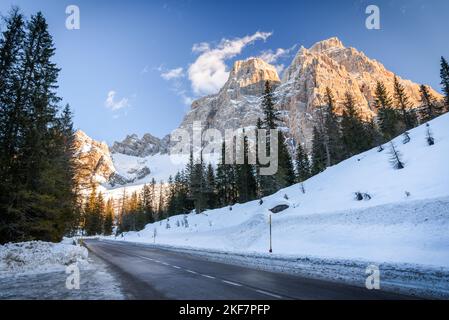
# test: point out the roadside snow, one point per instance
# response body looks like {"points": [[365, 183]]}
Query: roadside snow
{"points": [[39, 257], [37, 270]]}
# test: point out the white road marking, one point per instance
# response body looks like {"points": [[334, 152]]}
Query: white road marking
{"points": [[210, 277], [190, 271], [269, 294], [232, 283]]}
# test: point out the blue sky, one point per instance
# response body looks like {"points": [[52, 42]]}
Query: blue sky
{"points": [[134, 66]]}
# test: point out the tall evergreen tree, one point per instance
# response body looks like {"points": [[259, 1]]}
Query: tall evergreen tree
{"points": [[387, 116], [354, 134], [302, 164], [285, 176], [444, 73], [318, 152], [245, 176], [108, 222], [198, 186], [403, 104], [332, 134], [429, 108], [35, 164], [211, 194], [271, 115]]}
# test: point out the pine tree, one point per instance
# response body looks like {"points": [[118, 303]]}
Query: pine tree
{"points": [[198, 186], [161, 202], [271, 115], [332, 139], [302, 164], [403, 104], [147, 198], [387, 116], [211, 194], [429, 108], [395, 157], [93, 213], [285, 176], [245, 174], [318, 152], [354, 134], [35, 164], [108, 222], [285, 173], [444, 73]]}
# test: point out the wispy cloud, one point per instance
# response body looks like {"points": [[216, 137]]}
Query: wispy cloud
{"points": [[272, 57], [209, 72], [173, 74], [114, 105], [145, 69]]}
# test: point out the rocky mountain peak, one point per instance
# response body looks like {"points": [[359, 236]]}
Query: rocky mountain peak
{"points": [[148, 145], [248, 77], [252, 71], [326, 45]]}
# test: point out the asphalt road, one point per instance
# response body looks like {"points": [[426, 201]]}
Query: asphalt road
{"points": [[151, 273]]}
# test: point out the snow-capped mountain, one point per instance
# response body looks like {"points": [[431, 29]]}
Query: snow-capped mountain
{"points": [[237, 105], [149, 145], [97, 165], [327, 63]]}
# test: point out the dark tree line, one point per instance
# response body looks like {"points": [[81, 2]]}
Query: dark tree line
{"points": [[37, 198]]}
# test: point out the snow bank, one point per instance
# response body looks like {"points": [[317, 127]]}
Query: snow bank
{"points": [[39, 257]]}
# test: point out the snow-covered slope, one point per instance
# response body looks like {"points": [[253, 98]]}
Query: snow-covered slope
{"points": [[405, 221]]}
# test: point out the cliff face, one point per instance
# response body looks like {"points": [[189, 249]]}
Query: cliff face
{"points": [[238, 102], [330, 64], [93, 161]]}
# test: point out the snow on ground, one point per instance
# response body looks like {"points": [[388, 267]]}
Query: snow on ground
{"points": [[405, 221], [39, 257], [37, 270]]}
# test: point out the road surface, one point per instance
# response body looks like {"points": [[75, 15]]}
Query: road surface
{"points": [[151, 273]]}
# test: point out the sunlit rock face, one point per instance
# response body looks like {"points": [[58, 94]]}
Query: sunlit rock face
{"points": [[237, 104], [330, 64], [93, 159]]}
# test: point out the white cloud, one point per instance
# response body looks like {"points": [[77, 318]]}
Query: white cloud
{"points": [[173, 74], [114, 105], [270, 56], [209, 73]]}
